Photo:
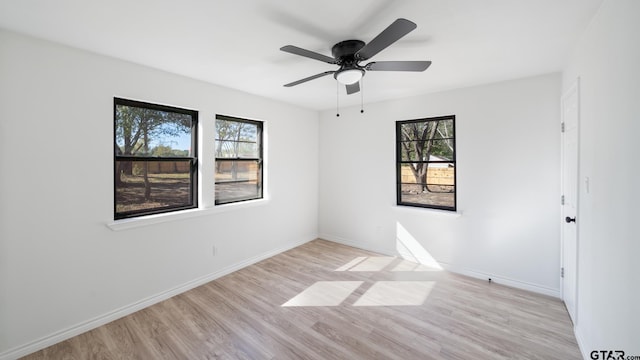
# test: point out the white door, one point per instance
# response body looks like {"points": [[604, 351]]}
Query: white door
{"points": [[569, 234]]}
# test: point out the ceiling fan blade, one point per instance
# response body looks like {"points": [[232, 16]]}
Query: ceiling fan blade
{"points": [[388, 36], [353, 88], [398, 66], [308, 53], [308, 78]]}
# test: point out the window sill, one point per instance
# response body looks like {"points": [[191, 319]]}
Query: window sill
{"points": [[141, 221], [446, 213]]}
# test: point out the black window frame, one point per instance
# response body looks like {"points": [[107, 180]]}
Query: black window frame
{"points": [[259, 160], [400, 162], [193, 159]]}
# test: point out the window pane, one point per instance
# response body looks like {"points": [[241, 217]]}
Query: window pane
{"points": [[427, 129], [236, 139], [430, 195], [438, 150], [152, 185], [237, 181], [236, 170], [416, 130], [236, 149], [231, 192], [425, 173], [236, 130], [148, 132], [444, 129], [237, 191]]}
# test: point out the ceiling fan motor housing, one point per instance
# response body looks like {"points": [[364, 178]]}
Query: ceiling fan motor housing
{"points": [[345, 52]]}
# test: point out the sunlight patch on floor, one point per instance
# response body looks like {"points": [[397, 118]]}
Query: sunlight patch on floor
{"points": [[324, 293], [396, 293]]}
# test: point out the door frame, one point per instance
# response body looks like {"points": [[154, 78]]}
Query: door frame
{"points": [[573, 89]]}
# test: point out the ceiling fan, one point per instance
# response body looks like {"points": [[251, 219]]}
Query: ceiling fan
{"points": [[349, 53]]}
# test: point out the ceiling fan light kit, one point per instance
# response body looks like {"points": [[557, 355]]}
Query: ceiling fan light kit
{"points": [[349, 76], [349, 53]]}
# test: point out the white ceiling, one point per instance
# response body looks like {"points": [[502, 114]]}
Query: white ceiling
{"points": [[235, 43]]}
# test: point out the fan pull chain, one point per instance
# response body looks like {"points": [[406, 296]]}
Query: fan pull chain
{"points": [[362, 95], [337, 98]]}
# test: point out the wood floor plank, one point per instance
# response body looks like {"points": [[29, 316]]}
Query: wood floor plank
{"points": [[241, 316], [289, 328]]}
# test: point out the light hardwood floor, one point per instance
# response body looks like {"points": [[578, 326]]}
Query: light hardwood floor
{"points": [[340, 303]]}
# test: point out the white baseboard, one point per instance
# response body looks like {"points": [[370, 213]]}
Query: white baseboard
{"points": [[581, 343], [523, 285], [453, 268], [100, 320]]}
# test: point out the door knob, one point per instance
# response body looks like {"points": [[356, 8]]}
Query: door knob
{"points": [[570, 219]]}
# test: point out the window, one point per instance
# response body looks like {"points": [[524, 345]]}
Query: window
{"points": [[238, 160], [155, 163], [426, 162]]}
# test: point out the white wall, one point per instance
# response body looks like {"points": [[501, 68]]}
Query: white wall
{"points": [[507, 138], [61, 268], [607, 62]]}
